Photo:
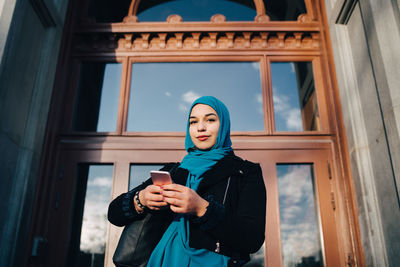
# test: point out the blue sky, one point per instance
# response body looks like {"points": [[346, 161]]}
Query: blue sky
{"points": [[161, 94]]}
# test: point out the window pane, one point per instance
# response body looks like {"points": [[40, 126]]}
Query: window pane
{"points": [[295, 100], [284, 9], [257, 259], [161, 93], [192, 10], [96, 107], [140, 173], [299, 216], [90, 219]]}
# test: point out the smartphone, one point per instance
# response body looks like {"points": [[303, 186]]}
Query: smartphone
{"points": [[160, 177]]}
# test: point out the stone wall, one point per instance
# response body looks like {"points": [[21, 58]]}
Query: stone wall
{"points": [[30, 39], [364, 34]]}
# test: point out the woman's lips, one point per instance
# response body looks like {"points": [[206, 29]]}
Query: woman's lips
{"points": [[202, 137]]}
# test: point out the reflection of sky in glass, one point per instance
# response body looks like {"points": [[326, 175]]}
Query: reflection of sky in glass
{"points": [[286, 97], [299, 231], [98, 194], [257, 259], [140, 173], [192, 10], [161, 93], [109, 98]]}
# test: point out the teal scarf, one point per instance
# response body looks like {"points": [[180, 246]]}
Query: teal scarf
{"points": [[173, 249]]}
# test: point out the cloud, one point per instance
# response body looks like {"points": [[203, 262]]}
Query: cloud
{"points": [[187, 100], [189, 97], [257, 259], [299, 229], [293, 120], [101, 181], [259, 101], [281, 102], [168, 94], [94, 224], [287, 113], [255, 65], [183, 107], [292, 68], [94, 227]]}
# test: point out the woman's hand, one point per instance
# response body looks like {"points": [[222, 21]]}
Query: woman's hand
{"points": [[182, 199], [151, 198]]}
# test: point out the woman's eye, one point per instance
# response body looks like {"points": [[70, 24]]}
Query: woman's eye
{"points": [[211, 120], [192, 122]]}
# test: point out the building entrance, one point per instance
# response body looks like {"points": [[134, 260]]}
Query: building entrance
{"points": [[125, 84]]}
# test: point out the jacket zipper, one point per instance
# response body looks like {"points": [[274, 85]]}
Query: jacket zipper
{"points": [[218, 244]]}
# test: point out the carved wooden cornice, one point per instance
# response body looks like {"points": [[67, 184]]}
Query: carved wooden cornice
{"points": [[216, 40], [218, 34]]}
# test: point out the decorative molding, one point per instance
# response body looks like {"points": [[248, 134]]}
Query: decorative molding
{"points": [[130, 19], [218, 18], [106, 42], [262, 18], [174, 19], [304, 18]]}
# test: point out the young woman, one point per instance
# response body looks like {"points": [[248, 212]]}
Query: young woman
{"points": [[217, 201]]}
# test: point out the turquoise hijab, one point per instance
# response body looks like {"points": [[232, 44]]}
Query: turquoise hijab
{"points": [[173, 249]]}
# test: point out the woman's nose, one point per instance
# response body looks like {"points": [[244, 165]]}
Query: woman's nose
{"points": [[201, 127]]}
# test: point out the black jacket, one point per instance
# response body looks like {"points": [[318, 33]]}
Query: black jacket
{"points": [[238, 225]]}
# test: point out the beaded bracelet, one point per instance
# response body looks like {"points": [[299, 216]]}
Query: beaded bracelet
{"points": [[138, 201]]}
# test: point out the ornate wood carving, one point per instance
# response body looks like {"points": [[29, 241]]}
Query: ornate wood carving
{"points": [[98, 42], [174, 19], [304, 18], [218, 18]]}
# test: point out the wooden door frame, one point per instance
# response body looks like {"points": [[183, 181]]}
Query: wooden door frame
{"points": [[309, 36]]}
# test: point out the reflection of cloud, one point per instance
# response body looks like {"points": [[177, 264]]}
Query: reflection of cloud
{"points": [[293, 120], [292, 68], [94, 223], [94, 227], [299, 229], [255, 65], [259, 101], [100, 181], [183, 107], [168, 94], [190, 96], [257, 259], [286, 112]]}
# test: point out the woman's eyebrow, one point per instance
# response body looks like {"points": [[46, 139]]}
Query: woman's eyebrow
{"points": [[208, 114]]}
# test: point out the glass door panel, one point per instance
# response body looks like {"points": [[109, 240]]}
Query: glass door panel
{"points": [[89, 235], [140, 173], [257, 259], [299, 214], [161, 94], [301, 228]]}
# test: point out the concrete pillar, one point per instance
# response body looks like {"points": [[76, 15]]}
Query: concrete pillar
{"points": [[367, 64], [30, 40]]}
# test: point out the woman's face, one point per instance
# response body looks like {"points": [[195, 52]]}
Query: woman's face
{"points": [[203, 126]]}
